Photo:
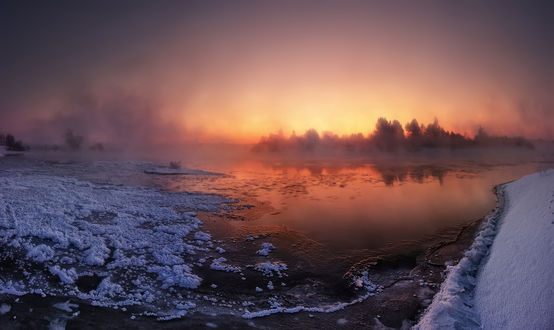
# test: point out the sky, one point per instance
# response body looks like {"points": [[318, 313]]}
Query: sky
{"points": [[233, 71]]}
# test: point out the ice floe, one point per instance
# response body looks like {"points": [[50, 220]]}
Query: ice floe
{"points": [[265, 249], [219, 264], [275, 268]]}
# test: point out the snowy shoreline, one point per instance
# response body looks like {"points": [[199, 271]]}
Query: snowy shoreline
{"points": [[489, 288], [133, 241]]}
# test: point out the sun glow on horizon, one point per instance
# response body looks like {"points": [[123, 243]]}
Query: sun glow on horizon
{"points": [[235, 73]]}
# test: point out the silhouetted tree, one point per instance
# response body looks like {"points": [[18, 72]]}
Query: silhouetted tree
{"points": [[388, 136], [310, 140], [10, 140], [12, 144], [413, 128], [72, 140]]}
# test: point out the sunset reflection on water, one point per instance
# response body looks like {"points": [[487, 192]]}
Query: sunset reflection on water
{"points": [[360, 205]]}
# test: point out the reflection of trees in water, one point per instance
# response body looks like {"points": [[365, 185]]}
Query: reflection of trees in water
{"points": [[418, 174], [389, 173]]}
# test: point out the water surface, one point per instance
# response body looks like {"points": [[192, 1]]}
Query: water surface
{"points": [[361, 205]]}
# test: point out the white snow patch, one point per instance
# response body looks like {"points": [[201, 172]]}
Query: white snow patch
{"points": [[66, 275], [342, 321], [5, 308], [271, 268], [515, 286], [75, 228], [363, 281], [508, 285], [296, 309], [66, 306], [219, 264], [202, 236], [40, 253], [266, 248], [177, 275]]}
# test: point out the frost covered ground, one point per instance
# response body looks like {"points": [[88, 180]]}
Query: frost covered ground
{"points": [[83, 242], [505, 279], [81, 232], [135, 242]]}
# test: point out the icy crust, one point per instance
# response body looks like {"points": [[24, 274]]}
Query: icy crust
{"points": [[60, 230], [452, 306], [277, 308], [368, 288]]}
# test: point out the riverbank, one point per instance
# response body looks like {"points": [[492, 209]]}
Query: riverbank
{"points": [[249, 267], [505, 278]]}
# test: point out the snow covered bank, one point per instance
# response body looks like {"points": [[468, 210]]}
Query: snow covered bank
{"points": [[505, 279], [515, 288]]}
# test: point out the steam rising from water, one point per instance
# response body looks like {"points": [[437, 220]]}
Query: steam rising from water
{"points": [[121, 118]]}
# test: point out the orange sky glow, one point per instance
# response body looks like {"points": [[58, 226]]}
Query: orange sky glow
{"points": [[236, 72]]}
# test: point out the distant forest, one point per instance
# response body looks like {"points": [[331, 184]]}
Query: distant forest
{"points": [[11, 143], [388, 136]]}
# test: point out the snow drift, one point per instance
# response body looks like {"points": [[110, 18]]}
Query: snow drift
{"points": [[505, 279]]}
